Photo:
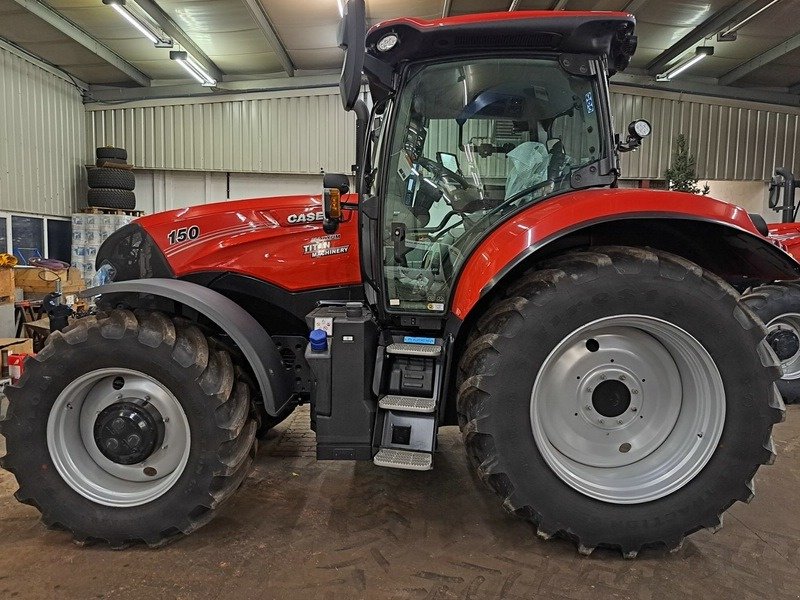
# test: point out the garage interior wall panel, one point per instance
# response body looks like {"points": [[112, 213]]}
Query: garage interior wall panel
{"points": [[730, 140], [42, 139], [304, 132]]}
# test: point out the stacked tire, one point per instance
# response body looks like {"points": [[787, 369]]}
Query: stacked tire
{"points": [[111, 181]]}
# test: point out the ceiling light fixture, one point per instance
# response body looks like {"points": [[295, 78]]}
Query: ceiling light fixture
{"points": [[729, 33], [340, 4], [699, 54], [192, 67], [141, 23]]}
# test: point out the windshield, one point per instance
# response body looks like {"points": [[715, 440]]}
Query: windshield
{"points": [[474, 140]]}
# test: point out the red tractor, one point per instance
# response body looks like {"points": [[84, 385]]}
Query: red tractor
{"points": [[611, 386]]}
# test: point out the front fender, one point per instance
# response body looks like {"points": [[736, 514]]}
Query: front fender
{"points": [[251, 338], [721, 233]]}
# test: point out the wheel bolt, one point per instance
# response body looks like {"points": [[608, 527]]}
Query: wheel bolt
{"points": [[587, 407], [602, 377], [634, 409], [622, 377], [634, 392], [133, 441], [118, 425], [112, 444], [601, 421], [620, 421], [588, 390]]}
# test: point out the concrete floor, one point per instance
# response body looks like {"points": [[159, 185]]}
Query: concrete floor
{"points": [[306, 529]]}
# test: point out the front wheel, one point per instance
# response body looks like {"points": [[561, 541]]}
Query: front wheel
{"points": [[620, 398], [128, 428]]}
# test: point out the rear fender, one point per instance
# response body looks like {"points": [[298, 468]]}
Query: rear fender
{"points": [[718, 236], [250, 337]]}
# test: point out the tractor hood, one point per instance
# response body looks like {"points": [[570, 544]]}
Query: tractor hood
{"points": [[278, 240]]}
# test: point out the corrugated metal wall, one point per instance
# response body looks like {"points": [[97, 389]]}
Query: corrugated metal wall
{"points": [[306, 131], [289, 132], [729, 139], [42, 139]]}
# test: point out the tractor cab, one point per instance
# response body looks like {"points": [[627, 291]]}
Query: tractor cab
{"points": [[473, 119]]}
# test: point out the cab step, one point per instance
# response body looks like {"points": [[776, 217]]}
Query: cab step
{"points": [[407, 403], [427, 350], [403, 459]]}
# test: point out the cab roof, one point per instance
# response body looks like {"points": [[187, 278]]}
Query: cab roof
{"points": [[597, 33]]}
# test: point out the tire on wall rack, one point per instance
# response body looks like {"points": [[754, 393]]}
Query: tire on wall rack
{"points": [[778, 305], [591, 439], [110, 152], [110, 198], [129, 428], [117, 179]]}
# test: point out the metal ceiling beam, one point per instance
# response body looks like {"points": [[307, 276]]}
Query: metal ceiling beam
{"points": [[173, 30], [710, 26], [51, 17], [705, 87], [268, 29], [98, 94], [793, 43], [448, 4]]}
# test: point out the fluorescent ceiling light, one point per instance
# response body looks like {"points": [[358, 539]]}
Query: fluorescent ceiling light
{"points": [[191, 66], [141, 23], [699, 54], [340, 4], [729, 33]]}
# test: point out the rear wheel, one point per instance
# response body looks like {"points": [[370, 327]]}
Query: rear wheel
{"points": [[641, 405], [129, 428], [778, 305]]}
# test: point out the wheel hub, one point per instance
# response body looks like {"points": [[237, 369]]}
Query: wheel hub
{"points": [[611, 398], [128, 433], [784, 342]]}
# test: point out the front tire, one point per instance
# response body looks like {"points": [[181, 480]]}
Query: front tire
{"points": [[682, 424], [128, 428]]}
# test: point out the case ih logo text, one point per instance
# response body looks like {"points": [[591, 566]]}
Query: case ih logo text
{"points": [[305, 218], [322, 246]]}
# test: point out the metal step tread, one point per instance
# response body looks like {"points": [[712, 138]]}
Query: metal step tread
{"points": [[414, 349], [407, 403], [403, 459]]}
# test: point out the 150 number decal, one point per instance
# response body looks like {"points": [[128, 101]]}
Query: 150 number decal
{"points": [[176, 236]]}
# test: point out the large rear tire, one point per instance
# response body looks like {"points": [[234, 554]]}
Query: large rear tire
{"points": [[128, 428], [778, 305], [620, 398]]}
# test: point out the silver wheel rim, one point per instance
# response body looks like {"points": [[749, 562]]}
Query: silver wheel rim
{"points": [[665, 434], [788, 322], [79, 461]]}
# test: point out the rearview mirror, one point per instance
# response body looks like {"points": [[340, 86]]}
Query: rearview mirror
{"points": [[352, 36], [335, 186]]}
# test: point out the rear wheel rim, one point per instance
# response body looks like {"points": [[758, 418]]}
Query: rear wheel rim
{"points": [[628, 409], [73, 446], [788, 322]]}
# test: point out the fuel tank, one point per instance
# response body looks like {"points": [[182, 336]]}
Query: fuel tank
{"points": [[278, 240]]}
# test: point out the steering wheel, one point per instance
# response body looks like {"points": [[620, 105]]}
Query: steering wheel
{"points": [[442, 172]]}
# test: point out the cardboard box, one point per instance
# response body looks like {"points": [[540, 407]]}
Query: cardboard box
{"points": [[6, 285], [37, 282]]}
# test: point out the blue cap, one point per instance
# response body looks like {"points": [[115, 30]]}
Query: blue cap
{"points": [[319, 340]]}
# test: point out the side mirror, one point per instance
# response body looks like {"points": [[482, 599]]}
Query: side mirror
{"points": [[335, 186], [637, 131]]}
